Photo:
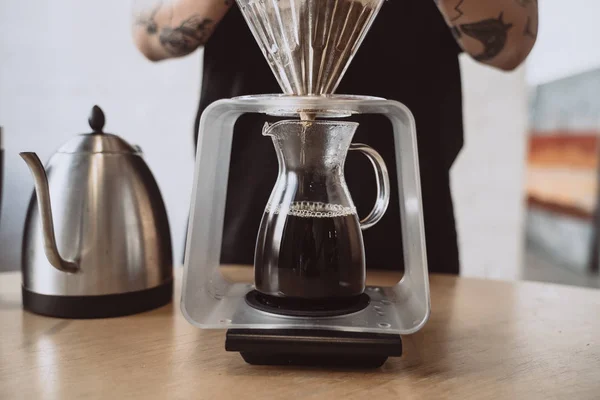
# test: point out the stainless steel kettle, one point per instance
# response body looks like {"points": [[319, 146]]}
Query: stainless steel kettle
{"points": [[103, 248]]}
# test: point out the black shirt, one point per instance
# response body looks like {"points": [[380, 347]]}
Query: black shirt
{"points": [[409, 55]]}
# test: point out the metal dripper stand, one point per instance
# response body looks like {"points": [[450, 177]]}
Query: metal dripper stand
{"points": [[308, 45]]}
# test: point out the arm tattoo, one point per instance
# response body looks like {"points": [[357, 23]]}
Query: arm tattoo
{"points": [[185, 38], [149, 22], [492, 33], [527, 31], [458, 10]]}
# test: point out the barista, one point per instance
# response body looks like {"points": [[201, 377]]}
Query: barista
{"points": [[410, 55]]}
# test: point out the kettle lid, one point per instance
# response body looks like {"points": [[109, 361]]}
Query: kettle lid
{"points": [[97, 141]]}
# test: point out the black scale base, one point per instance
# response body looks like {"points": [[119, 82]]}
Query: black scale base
{"points": [[312, 347], [318, 348]]}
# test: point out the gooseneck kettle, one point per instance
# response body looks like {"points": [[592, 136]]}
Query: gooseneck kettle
{"points": [[96, 241]]}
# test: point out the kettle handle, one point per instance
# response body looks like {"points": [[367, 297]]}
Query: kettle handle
{"points": [[43, 199], [383, 185]]}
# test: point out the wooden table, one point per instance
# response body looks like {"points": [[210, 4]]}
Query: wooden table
{"points": [[485, 339]]}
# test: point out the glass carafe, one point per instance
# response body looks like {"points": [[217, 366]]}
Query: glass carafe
{"points": [[310, 247]]}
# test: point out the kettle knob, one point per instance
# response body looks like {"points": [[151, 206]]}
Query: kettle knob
{"points": [[96, 119]]}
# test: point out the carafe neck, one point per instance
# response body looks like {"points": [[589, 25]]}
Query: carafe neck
{"points": [[311, 146]]}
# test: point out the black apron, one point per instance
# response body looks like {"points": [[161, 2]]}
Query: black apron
{"points": [[409, 55]]}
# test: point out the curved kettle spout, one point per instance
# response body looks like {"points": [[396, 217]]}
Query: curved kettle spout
{"points": [[43, 199]]}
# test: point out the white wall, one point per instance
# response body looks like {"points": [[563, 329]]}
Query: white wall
{"points": [[488, 176], [568, 40], [58, 59]]}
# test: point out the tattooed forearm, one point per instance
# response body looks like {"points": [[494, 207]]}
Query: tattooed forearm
{"points": [[185, 38], [180, 40], [175, 28], [492, 33], [495, 32]]}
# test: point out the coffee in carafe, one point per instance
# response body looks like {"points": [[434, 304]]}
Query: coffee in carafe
{"points": [[310, 249], [318, 256]]}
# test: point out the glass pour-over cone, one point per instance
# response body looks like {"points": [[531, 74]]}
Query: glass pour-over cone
{"points": [[309, 43]]}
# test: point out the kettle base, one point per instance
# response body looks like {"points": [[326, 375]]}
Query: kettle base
{"points": [[101, 306]]}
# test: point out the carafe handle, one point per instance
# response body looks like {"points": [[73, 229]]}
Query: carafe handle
{"points": [[383, 185]]}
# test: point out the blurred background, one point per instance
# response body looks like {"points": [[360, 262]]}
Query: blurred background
{"points": [[525, 185]]}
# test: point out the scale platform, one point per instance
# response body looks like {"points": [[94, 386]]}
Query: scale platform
{"points": [[313, 347]]}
